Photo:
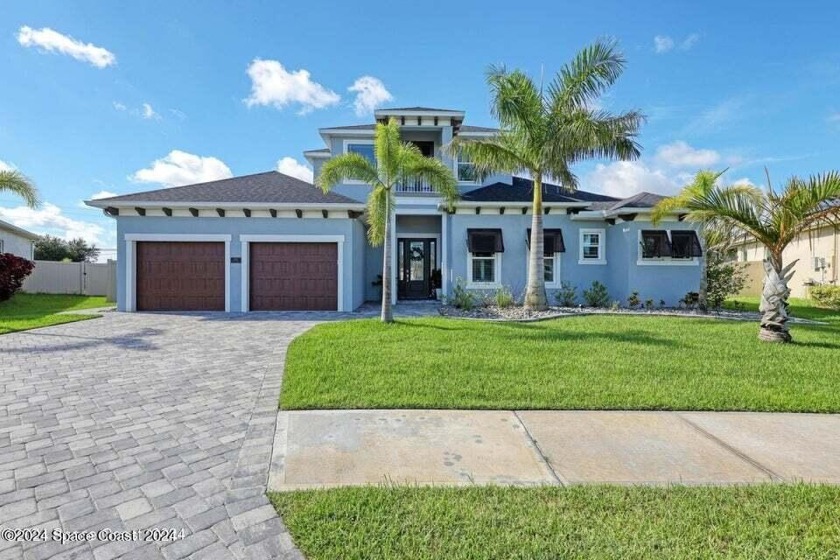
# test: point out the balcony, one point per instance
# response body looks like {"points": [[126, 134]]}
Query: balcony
{"points": [[415, 186]]}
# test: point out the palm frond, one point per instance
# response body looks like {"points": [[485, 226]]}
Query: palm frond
{"points": [[503, 153], [387, 146], [351, 166], [580, 82], [436, 174], [378, 214], [584, 134], [516, 102], [14, 181]]}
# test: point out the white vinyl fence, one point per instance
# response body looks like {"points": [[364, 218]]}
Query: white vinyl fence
{"points": [[90, 279]]}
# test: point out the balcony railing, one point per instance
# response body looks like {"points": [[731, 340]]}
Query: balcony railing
{"points": [[415, 186]]}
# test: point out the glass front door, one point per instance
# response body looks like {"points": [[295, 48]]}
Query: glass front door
{"points": [[416, 262]]}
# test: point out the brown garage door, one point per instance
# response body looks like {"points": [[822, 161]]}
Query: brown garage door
{"points": [[294, 276], [177, 276]]}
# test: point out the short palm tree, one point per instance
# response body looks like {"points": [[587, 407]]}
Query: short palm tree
{"points": [[774, 219], [16, 182], [396, 163], [544, 132]]}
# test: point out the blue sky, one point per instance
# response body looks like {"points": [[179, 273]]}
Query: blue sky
{"points": [[157, 92]]}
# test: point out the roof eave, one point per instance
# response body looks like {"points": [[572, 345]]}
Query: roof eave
{"points": [[105, 203]]}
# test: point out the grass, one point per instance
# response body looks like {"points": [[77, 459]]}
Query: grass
{"points": [[587, 362], [767, 522], [31, 311]]}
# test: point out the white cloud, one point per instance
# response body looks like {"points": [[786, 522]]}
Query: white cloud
{"points": [[662, 43], [680, 154], [718, 116], [370, 94], [291, 166], [626, 178], [149, 112], [53, 41], [272, 84], [119, 106], [689, 41], [102, 194], [48, 219], [180, 114], [5, 166], [182, 168]]}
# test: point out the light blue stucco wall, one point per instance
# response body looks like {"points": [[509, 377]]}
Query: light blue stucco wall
{"points": [[352, 256], [621, 273]]}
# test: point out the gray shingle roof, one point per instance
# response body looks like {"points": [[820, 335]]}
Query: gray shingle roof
{"points": [[18, 231], [268, 187], [468, 128], [521, 190], [386, 109], [641, 200], [351, 127]]}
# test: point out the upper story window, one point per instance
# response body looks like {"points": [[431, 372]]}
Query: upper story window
{"points": [[592, 246], [669, 247], [363, 148], [466, 169]]}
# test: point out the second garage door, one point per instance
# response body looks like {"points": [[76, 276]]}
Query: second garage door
{"points": [[293, 276]]}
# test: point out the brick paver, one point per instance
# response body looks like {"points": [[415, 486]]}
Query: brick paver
{"points": [[139, 421]]}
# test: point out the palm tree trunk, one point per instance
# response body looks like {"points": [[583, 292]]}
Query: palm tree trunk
{"points": [[387, 315], [703, 289], [774, 305], [535, 297]]}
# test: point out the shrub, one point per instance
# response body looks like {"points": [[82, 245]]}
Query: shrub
{"points": [[503, 297], [615, 305], [690, 299], [724, 278], [597, 295], [649, 304], [461, 297], [13, 271], [634, 301], [566, 296], [826, 296]]}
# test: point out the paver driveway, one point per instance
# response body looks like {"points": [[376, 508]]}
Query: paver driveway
{"points": [[135, 421]]}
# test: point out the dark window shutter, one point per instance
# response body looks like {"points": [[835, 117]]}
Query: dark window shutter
{"points": [[552, 241], [655, 243], [686, 244], [485, 241]]}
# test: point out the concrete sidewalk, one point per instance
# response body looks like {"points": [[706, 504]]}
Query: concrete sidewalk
{"points": [[320, 449]]}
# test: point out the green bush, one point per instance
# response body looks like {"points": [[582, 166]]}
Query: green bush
{"points": [[566, 296], [724, 279], [597, 295], [634, 300], [826, 296], [461, 297], [503, 297]]}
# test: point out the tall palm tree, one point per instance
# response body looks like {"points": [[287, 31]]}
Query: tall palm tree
{"points": [[772, 218], [396, 163], [16, 182], [545, 131]]}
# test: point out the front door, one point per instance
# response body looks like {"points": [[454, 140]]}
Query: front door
{"points": [[416, 259]]}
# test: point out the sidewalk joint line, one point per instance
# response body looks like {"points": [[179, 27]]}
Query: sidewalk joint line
{"points": [[539, 450], [773, 476]]}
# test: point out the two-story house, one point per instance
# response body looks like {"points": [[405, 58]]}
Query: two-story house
{"points": [[272, 242]]}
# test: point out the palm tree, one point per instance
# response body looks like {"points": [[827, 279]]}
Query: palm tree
{"points": [[16, 182], [774, 219], [396, 163], [544, 132]]}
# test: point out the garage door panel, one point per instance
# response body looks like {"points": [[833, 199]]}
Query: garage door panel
{"points": [[293, 276], [180, 276]]}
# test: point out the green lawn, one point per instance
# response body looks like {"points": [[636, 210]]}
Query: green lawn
{"points": [[587, 362], [766, 522], [31, 311]]}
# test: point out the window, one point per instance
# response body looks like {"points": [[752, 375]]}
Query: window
{"points": [[685, 245], [362, 148], [664, 247], [553, 244], [466, 169], [655, 244], [1, 246], [592, 246], [485, 247], [483, 268]]}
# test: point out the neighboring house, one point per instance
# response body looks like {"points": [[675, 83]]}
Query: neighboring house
{"points": [[270, 241], [17, 241], [817, 254]]}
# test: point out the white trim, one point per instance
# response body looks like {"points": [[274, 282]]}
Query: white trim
{"points": [[444, 247], [456, 160], [602, 246], [131, 240], [227, 206], [245, 249], [497, 273], [431, 201], [663, 261], [381, 113]]}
